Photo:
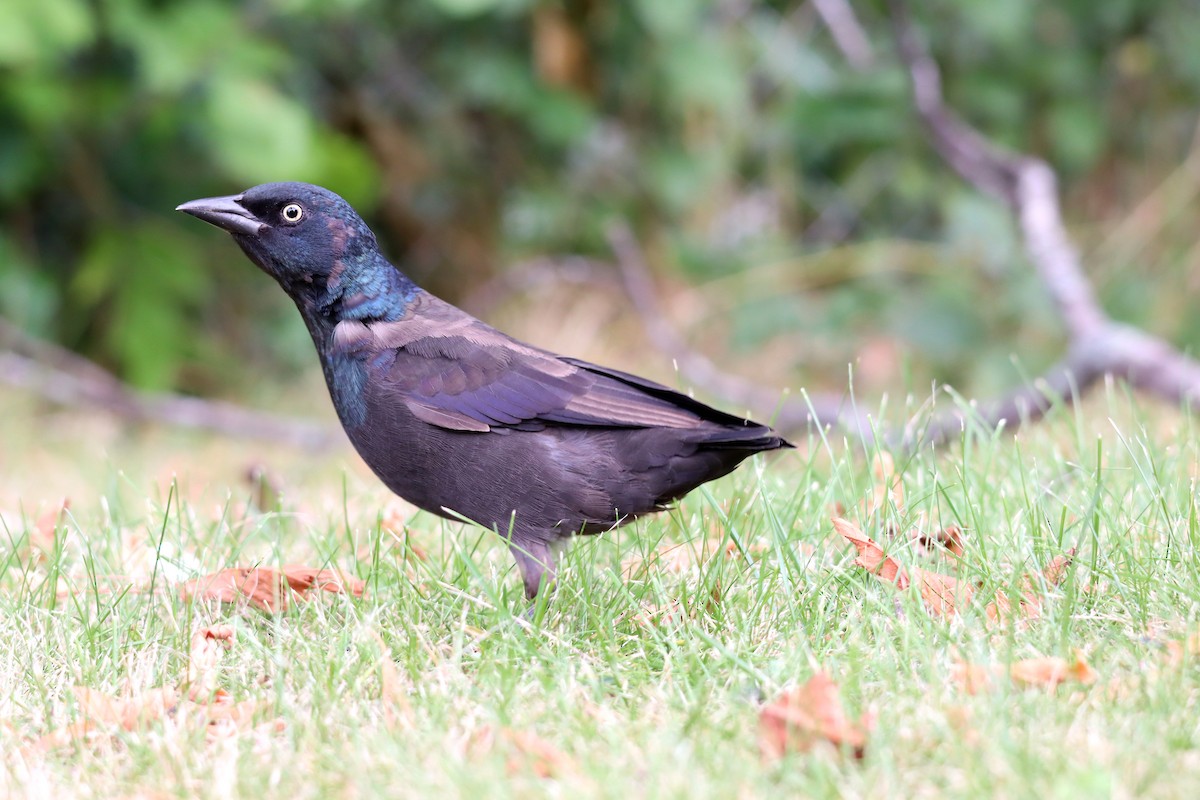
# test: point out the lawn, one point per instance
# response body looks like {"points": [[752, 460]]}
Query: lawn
{"points": [[650, 671]]}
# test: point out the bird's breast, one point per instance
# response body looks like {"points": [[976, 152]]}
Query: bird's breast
{"points": [[346, 378]]}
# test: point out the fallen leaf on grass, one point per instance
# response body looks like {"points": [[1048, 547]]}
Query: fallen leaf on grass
{"points": [[267, 588], [99, 711], [391, 689], [533, 753], [1056, 570], [61, 737], [130, 713], [974, 678], [395, 522], [943, 594], [525, 751], [810, 714], [1049, 672], [224, 718], [44, 532], [1045, 672], [870, 555], [949, 539], [207, 645], [1185, 650], [1029, 605], [221, 716]]}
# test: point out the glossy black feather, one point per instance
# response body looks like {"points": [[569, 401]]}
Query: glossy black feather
{"points": [[462, 420]]}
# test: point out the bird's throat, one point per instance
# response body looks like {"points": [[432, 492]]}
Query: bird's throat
{"points": [[367, 288]]}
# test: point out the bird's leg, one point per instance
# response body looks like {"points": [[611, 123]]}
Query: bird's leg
{"points": [[536, 560]]}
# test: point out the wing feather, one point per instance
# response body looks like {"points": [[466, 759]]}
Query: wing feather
{"points": [[455, 372]]}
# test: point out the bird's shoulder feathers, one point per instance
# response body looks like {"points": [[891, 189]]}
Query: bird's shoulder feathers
{"points": [[453, 371]]}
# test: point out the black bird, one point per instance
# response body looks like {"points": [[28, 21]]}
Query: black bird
{"points": [[462, 420]]}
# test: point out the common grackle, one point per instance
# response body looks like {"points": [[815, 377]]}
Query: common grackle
{"points": [[462, 420]]}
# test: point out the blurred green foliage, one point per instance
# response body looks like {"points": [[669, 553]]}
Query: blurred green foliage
{"points": [[476, 133]]}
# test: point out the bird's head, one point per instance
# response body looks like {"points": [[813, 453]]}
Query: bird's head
{"points": [[306, 237]]}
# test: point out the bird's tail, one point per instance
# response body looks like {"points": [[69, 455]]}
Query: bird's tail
{"points": [[753, 438]]}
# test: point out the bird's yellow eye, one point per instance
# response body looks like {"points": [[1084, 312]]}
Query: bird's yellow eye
{"points": [[292, 212]]}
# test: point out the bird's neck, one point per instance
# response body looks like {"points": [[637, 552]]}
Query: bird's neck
{"points": [[364, 287]]}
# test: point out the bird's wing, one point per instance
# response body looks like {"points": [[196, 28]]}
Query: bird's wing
{"points": [[453, 371]]}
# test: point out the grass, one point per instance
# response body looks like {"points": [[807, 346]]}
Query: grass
{"points": [[640, 685]]}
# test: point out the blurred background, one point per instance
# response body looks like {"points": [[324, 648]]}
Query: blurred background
{"points": [[791, 210]]}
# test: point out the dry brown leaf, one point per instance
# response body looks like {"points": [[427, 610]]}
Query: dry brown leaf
{"points": [[714, 598], [391, 690], [99, 711], [949, 539], [530, 752], [812, 713], [61, 737], [524, 751], [130, 713], [227, 729], [1056, 570], [267, 588], [1048, 672], [942, 594], [1180, 651], [206, 648], [226, 719], [222, 717], [945, 595], [973, 678], [45, 529], [962, 721], [151, 705], [1029, 606], [216, 709], [98, 707], [1045, 672], [302, 579], [870, 555], [239, 714], [395, 522]]}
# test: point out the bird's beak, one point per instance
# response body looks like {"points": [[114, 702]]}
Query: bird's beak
{"points": [[224, 212]]}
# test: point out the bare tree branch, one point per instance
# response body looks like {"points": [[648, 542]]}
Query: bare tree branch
{"points": [[1025, 404], [848, 35], [1098, 346], [65, 378]]}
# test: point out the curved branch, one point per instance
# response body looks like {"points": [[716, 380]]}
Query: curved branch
{"points": [[848, 35], [1098, 346], [65, 378]]}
